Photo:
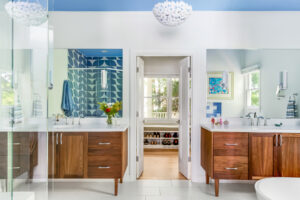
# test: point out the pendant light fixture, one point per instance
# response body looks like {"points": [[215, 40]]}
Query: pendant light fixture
{"points": [[171, 13], [27, 12]]}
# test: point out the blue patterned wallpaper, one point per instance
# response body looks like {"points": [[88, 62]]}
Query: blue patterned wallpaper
{"points": [[86, 82]]}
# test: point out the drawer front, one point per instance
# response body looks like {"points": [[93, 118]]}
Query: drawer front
{"points": [[231, 167], [230, 144], [104, 167], [105, 141]]}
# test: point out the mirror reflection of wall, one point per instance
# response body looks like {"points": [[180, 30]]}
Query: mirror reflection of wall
{"points": [[94, 75], [264, 81]]}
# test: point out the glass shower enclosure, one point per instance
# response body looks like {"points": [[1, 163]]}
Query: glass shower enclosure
{"points": [[24, 48]]}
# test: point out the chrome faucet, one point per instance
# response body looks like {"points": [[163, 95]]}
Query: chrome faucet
{"points": [[80, 117], [251, 118], [258, 120]]}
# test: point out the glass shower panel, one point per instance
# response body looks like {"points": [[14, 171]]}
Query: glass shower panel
{"points": [[29, 110], [6, 102]]}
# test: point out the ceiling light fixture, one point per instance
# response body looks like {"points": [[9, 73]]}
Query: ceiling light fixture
{"points": [[171, 13], [28, 13]]}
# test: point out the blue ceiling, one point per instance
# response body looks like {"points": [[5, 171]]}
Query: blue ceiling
{"points": [[147, 5], [102, 52]]}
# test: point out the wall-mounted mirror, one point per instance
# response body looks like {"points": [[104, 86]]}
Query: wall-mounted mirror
{"points": [[265, 82], [93, 75]]}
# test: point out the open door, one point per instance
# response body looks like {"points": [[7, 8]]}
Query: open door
{"points": [[140, 116], [184, 119]]}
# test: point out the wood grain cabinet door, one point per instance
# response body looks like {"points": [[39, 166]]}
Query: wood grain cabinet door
{"points": [[73, 155], [53, 155], [289, 155], [262, 155]]}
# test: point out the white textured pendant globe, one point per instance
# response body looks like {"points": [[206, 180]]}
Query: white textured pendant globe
{"points": [[28, 13], [171, 13]]}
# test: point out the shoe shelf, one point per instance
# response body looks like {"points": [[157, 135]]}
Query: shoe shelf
{"points": [[160, 137], [160, 146]]}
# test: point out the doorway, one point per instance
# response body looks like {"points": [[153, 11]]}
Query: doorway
{"points": [[163, 117]]}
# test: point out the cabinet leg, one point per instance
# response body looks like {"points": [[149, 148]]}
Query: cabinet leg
{"points": [[121, 180], [216, 187], [116, 186], [207, 179]]}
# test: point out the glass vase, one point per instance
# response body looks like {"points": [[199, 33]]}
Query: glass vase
{"points": [[109, 120]]}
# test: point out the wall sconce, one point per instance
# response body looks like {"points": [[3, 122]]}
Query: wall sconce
{"points": [[103, 79], [283, 84], [225, 79]]}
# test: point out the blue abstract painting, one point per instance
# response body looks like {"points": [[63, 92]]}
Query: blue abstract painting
{"points": [[213, 109], [216, 86]]}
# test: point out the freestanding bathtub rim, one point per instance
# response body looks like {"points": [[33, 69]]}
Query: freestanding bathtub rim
{"points": [[262, 195]]}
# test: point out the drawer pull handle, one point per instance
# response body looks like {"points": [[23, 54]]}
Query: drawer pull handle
{"points": [[104, 143], [229, 168], [15, 168], [227, 144], [104, 167]]}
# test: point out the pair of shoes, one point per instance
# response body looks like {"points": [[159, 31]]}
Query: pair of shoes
{"points": [[154, 142], [175, 142], [175, 135], [167, 135], [166, 142], [146, 142], [156, 135]]}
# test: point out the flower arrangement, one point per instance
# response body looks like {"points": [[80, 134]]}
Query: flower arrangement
{"points": [[111, 110]]}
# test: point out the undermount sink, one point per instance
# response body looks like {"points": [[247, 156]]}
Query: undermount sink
{"points": [[64, 126]]}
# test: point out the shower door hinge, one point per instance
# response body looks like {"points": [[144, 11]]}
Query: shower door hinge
{"points": [[190, 69], [137, 159], [190, 159], [137, 69], [137, 114]]}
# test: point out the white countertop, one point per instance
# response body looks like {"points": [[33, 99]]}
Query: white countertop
{"points": [[84, 127], [89, 128], [252, 129]]}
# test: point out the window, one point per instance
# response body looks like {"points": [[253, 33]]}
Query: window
{"points": [[161, 98], [252, 83], [6, 91]]}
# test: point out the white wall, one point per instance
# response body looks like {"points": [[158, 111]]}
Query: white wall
{"points": [[140, 32], [162, 65], [232, 61], [272, 62], [60, 73]]}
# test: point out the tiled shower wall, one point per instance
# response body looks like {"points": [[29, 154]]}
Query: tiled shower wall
{"points": [[86, 82]]}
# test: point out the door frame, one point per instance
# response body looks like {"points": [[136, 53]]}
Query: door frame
{"points": [[133, 96]]}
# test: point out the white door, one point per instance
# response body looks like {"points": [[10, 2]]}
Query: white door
{"points": [[140, 116], [184, 95]]}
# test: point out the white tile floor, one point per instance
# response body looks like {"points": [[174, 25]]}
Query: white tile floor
{"points": [[149, 190]]}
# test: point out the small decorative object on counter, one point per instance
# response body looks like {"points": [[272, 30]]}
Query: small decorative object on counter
{"points": [[111, 110], [226, 122], [221, 121], [213, 121]]}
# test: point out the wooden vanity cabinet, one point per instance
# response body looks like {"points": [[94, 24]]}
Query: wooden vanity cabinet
{"points": [[224, 156], [25, 153], [249, 156], [263, 155], [289, 155], [67, 155], [88, 155]]}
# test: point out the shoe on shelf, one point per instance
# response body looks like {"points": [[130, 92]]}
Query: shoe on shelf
{"points": [[175, 135], [175, 142], [146, 142]]}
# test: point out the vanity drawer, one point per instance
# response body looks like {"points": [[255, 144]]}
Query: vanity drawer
{"points": [[230, 144], [104, 167], [109, 141], [231, 167]]}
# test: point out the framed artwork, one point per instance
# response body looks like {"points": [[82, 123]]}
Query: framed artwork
{"points": [[216, 89], [213, 109]]}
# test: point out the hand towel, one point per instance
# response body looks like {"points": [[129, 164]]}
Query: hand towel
{"points": [[67, 104]]}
